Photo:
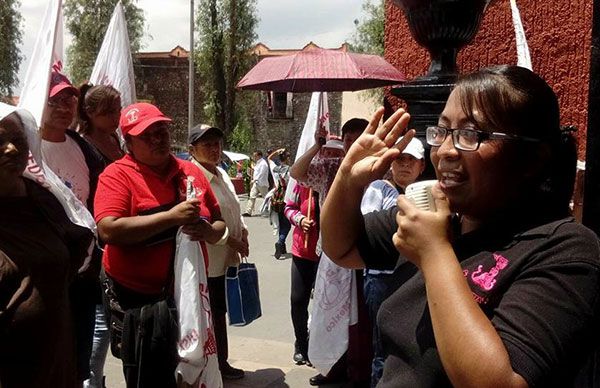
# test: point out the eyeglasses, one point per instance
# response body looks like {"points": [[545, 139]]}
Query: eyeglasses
{"points": [[467, 139], [61, 101]]}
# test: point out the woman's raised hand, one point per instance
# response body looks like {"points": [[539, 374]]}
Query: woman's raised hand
{"points": [[374, 151]]}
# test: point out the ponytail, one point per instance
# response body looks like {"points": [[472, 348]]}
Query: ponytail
{"points": [[83, 118]]}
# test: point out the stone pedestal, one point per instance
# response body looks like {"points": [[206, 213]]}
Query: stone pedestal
{"points": [[425, 102]]}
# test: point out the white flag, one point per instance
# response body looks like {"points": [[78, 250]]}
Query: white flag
{"points": [[114, 65], [318, 113], [47, 53], [523, 57], [197, 346]]}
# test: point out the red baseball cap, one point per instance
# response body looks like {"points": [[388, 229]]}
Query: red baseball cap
{"points": [[60, 82], [137, 117]]}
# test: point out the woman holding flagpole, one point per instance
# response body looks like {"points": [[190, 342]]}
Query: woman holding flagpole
{"points": [[302, 211]]}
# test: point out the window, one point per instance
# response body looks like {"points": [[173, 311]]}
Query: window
{"points": [[280, 105]]}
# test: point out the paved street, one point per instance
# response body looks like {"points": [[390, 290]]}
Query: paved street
{"points": [[264, 348]]}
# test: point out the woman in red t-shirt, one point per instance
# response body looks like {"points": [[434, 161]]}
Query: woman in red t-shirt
{"points": [[139, 205]]}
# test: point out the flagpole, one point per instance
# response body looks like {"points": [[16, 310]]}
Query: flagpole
{"points": [[191, 75]]}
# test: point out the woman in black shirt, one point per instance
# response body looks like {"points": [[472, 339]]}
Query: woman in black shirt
{"points": [[500, 285]]}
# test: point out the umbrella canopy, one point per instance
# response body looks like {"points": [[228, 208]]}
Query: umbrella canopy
{"points": [[321, 70], [235, 157]]}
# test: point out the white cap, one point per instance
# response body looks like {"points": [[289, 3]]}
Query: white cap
{"points": [[415, 148], [335, 144]]}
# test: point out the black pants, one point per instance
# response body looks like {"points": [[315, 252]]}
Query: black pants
{"points": [[304, 272], [218, 309], [83, 295], [157, 368]]}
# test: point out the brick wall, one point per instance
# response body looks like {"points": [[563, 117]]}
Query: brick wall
{"points": [[559, 37]]}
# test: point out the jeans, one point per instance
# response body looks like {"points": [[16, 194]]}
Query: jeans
{"points": [[376, 290], [284, 228], [99, 350]]}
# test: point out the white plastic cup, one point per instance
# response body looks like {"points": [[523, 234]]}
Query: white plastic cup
{"points": [[420, 194]]}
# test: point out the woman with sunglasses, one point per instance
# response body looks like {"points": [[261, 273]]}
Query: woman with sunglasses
{"points": [[500, 284]]}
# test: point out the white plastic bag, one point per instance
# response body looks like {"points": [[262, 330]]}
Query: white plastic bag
{"points": [[197, 346], [334, 310]]}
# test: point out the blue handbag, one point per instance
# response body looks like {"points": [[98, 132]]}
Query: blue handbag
{"points": [[243, 299]]}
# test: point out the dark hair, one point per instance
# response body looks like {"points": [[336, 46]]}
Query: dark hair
{"points": [[99, 98], [515, 100], [354, 125], [258, 153]]}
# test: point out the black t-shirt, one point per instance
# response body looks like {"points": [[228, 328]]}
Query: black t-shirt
{"points": [[539, 285]]}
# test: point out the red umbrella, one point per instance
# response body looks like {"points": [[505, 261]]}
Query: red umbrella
{"points": [[321, 70]]}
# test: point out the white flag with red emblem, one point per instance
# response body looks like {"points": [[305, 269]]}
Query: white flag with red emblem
{"points": [[114, 65], [47, 53], [197, 346]]}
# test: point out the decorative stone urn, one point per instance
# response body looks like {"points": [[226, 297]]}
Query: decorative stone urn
{"points": [[443, 27]]}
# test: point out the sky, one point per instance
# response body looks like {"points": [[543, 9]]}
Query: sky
{"points": [[282, 24]]}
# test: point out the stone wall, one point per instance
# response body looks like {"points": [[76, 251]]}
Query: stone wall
{"points": [[164, 82], [277, 133], [559, 37]]}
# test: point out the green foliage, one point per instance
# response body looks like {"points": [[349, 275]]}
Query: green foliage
{"points": [[87, 20], [241, 137], [369, 37], [226, 33], [11, 37]]}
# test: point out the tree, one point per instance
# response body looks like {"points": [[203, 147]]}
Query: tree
{"points": [[10, 54], [226, 33], [370, 35], [87, 20]]}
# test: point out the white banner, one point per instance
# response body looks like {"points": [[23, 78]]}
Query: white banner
{"points": [[197, 345], [48, 52], [318, 113], [523, 56], [114, 65], [334, 309]]}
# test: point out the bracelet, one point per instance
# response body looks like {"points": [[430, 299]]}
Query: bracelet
{"points": [[223, 239]]}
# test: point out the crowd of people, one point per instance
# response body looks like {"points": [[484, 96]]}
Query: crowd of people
{"points": [[495, 286]]}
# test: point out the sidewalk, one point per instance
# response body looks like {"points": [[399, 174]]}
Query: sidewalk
{"points": [[264, 348]]}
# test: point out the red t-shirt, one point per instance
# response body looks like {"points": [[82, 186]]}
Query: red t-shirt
{"points": [[127, 188]]}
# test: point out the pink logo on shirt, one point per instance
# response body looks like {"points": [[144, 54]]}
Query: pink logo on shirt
{"points": [[487, 280]]}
